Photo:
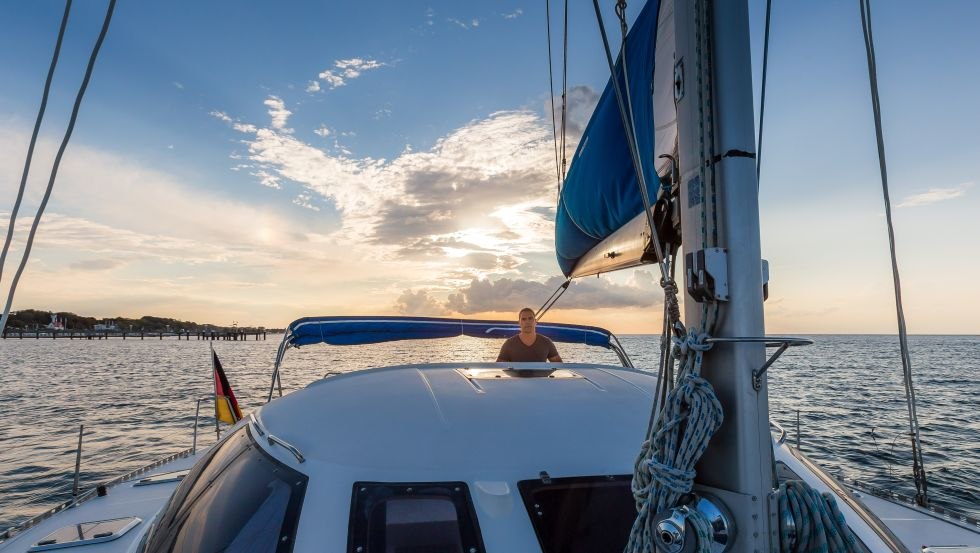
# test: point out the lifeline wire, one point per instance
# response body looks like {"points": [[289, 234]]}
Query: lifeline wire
{"points": [[918, 468], [57, 164], [30, 149]]}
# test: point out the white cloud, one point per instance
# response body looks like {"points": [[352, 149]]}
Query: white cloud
{"points": [[935, 195], [462, 24], [304, 200], [221, 115], [484, 188], [322, 131], [332, 79], [580, 102], [278, 112], [343, 71], [268, 179], [506, 294], [382, 113], [179, 85], [514, 14], [418, 303]]}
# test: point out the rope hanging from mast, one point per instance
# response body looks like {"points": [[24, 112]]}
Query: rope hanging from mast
{"points": [[918, 468], [57, 163]]}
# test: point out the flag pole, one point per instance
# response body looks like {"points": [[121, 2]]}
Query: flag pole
{"points": [[214, 384]]}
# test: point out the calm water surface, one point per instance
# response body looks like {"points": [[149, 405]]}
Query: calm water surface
{"points": [[137, 398]]}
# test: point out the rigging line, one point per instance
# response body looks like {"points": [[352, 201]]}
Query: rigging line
{"points": [[552, 300], [631, 141], [30, 149], [918, 468], [57, 163], [762, 100], [551, 89], [564, 97]]}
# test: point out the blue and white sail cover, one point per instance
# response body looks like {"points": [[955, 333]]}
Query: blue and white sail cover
{"points": [[600, 194]]}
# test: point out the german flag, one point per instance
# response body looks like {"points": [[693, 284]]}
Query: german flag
{"points": [[225, 405]]}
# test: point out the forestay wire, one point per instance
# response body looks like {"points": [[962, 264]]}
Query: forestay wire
{"points": [[918, 468]]}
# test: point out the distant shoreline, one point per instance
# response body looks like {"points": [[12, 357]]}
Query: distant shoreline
{"points": [[32, 320]]}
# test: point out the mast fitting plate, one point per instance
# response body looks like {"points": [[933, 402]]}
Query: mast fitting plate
{"points": [[707, 274]]}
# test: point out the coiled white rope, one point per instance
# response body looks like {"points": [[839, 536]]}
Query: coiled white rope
{"points": [[664, 469]]}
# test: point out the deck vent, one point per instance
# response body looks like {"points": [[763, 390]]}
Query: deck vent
{"points": [[85, 533]]}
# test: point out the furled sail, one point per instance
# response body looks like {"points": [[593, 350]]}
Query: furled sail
{"points": [[600, 225]]}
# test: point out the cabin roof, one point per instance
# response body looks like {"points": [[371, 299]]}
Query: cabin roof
{"points": [[465, 421]]}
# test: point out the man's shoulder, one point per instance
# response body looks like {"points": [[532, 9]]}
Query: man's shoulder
{"points": [[545, 339]]}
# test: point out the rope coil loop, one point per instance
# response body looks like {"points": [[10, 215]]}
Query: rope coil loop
{"points": [[811, 522], [664, 469]]}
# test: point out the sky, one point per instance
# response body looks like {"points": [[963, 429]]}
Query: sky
{"points": [[253, 163]]}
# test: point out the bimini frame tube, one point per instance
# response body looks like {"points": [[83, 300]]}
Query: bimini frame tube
{"points": [[719, 199], [280, 353]]}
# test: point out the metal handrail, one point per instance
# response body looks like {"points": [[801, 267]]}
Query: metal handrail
{"points": [[782, 431], [289, 447], [197, 414], [781, 342]]}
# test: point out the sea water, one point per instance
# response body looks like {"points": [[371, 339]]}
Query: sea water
{"points": [[137, 400]]}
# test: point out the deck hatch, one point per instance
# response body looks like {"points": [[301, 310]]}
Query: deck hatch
{"points": [[85, 533], [580, 514], [421, 516], [536, 372]]}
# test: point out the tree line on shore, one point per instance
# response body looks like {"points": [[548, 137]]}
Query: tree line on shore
{"points": [[30, 319]]}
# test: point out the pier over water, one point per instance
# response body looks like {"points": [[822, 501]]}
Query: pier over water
{"points": [[233, 335]]}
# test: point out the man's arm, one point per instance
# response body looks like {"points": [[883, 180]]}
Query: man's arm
{"points": [[553, 353], [503, 357]]}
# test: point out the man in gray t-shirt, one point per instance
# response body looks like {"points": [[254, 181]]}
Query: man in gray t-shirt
{"points": [[528, 345]]}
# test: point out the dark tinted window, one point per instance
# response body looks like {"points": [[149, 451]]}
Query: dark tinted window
{"points": [[413, 518], [239, 499], [591, 514]]}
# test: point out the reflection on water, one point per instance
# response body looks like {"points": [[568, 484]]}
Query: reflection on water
{"points": [[136, 399]]}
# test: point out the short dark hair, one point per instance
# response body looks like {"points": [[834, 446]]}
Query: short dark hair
{"points": [[527, 309]]}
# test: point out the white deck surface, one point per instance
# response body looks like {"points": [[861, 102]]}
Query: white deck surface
{"points": [[438, 423], [123, 500]]}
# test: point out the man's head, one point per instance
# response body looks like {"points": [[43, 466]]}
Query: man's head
{"points": [[526, 319]]}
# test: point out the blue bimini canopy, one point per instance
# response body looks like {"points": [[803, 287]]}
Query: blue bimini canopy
{"points": [[600, 193], [350, 331]]}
